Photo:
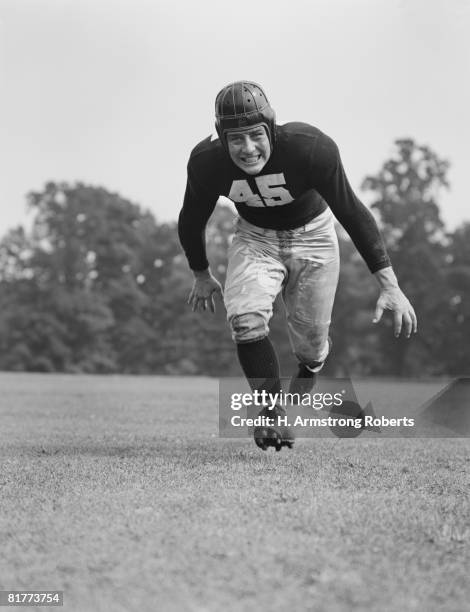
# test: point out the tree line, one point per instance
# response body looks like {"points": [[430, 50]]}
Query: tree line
{"points": [[99, 286]]}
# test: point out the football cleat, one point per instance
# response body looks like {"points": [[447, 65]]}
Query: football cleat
{"points": [[276, 432]]}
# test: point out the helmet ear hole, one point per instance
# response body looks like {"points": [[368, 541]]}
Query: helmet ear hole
{"points": [[241, 105]]}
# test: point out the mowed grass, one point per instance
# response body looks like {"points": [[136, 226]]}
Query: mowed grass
{"points": [[118, 491]]}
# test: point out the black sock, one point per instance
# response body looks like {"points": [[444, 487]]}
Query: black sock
{"points": [[259, 362]]}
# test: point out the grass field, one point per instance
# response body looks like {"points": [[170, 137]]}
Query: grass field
{"points": [[118, 491]]}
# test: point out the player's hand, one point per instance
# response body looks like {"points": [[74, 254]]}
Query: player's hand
{"points": [[404, 317], [202, 294]]}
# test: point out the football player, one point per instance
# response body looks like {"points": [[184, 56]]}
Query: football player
{"points": [[288, 184]]}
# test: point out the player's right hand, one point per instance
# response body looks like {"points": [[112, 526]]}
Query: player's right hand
{"points": [[202, 294]]}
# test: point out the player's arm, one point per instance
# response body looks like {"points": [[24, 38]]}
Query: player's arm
{"points": [[197, 207], [361, 226]]}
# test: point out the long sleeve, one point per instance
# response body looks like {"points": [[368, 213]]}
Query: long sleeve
{"points": [[197, 207], [356, 219]]}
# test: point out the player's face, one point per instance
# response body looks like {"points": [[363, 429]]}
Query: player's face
{"points": [[249, 149]]}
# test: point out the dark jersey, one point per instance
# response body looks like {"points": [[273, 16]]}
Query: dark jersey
{"points": [[303, 176]]}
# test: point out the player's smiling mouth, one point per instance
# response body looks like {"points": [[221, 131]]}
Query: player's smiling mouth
{"points": [[251, 160]]}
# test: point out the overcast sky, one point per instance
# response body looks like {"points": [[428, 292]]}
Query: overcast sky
{"points": [[117, 92]]}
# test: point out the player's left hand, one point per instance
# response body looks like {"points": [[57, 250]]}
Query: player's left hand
{"points": [[404, 317]]}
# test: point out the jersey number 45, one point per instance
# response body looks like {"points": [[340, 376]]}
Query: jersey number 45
{"points": [[270, 186]]}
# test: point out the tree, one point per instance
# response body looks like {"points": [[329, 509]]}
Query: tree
{"points": [[85, 267], [455, 348], [202, 344], [405, 191], [99, 286]]}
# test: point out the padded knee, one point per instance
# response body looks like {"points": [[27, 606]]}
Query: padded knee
{"points": [[248, 327]]}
